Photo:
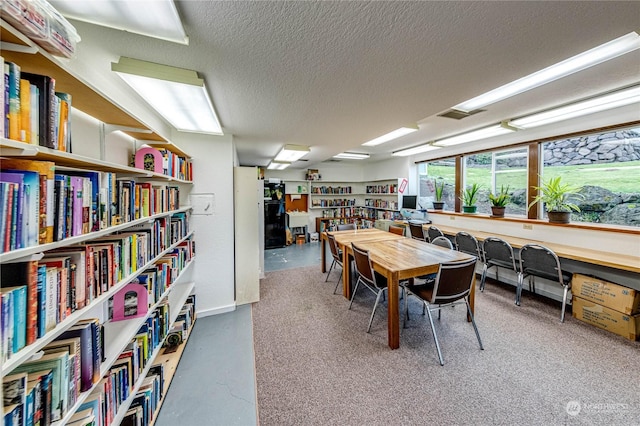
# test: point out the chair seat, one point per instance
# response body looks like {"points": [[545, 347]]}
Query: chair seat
{"points": [[566, 276], [423, 291], [501, 263]]}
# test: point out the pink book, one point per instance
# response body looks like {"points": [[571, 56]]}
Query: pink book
{"points": [[77, 186]]}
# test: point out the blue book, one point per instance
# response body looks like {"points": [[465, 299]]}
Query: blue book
{"points": [[42, 300], [87, 353], [17, 207], [19, 316], [4, 200], [60, 207], [6, 325], [31, 205]]}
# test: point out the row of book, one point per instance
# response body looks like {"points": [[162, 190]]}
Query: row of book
{"points": [[33, 111], [176, 165], [381, 204], [332, 202], [382, 189], [40, 391], [37, 295], [331, 190], [41, 206]]}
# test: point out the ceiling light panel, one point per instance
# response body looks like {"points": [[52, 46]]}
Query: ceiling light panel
{"points": [[179, 95], [484, 133], [578, 109], [157, 18], [597, 55], [278, 165], [415, 150], [391, 135], [351, 156], [292, 153]]}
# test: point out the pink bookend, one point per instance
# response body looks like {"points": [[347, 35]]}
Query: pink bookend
{"points": [[150, 159], [130, 302]]}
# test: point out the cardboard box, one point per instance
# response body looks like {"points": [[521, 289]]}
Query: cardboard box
{"points": [[613, 296], [608, 319]]}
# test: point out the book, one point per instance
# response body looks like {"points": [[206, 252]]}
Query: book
{"points": [[78, 281], [14, 100], [95, 401], [14, 389], [44, 378], [46, 171], [13, 415], [18, 316], [84, 417], [31, 394], [17, 206], [30, 205], [73, 346], [6, 325], [24, 274], [64, 292], [77, 212], [62, 189], [25, 111], [46, 101], [58, 363], [4, 92], [83, 333], [34, 115], [64, 135]]}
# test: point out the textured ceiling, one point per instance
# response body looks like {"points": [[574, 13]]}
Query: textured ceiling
{"points": [[332, 75]]}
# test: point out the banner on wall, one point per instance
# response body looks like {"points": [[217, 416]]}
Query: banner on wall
{"points": [[403, 185]]}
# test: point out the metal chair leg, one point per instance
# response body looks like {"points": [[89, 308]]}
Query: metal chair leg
{"points": [[354, 293], [564, 302], [473, 321], [330, 268], [519, 288], [484, 276], [435, 336], [339, 281], [375, 306]]}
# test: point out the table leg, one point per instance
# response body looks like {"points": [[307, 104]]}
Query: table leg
{"points": [[392, 303], [346, 274], [323, 253]]}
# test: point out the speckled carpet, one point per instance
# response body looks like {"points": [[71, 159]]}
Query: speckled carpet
{"points": [[316, 365]]}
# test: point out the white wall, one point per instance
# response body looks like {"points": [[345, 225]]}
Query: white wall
{"points": [[212, 173]]}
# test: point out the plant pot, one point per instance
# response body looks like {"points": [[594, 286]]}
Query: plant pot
{"points": [[497, 211], [559, 217], [469, 209], [438, 205]]}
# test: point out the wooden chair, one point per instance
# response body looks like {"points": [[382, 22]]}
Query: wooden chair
{"points": [[540, 261], [398, 230], [452, 287]]}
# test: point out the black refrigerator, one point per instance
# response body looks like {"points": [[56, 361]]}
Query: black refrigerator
{"points": [[275, 216]]}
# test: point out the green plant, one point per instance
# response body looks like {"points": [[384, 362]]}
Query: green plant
{"points": [[557, 196], [500, 199], [439, 188], [470, 195]]}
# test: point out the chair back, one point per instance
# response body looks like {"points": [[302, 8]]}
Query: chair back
{"points": [[467, 243], [434, 232], [453, 282], [416, 231], [442, 241], [333, 245], [542, 262], [398, 230], [498, 252], [362, 264], [346, 226]]}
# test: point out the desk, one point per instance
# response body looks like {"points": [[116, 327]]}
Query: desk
{"points": [[400, 259], [346, 237], [625, 262]]}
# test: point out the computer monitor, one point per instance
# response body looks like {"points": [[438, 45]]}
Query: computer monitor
{"points": [[410, 202]]}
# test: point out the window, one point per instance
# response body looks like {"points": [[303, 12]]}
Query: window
{"points": [[509, 168], [607, 167], [429, 173]]}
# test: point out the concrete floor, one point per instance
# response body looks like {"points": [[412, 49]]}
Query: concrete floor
{"points": [[215, 380]]}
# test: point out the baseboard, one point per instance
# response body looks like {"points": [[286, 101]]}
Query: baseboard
{"points": [[216, 311]]}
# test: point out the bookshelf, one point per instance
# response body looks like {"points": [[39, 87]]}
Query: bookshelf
{"points": [[157, 240]]}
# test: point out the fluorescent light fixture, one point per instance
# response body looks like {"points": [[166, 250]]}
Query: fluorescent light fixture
{"points": [[177, 94], [484, 133], [597, 55], [157, 18], [601, 103], [415, 150], [292, 153], [391, 135], [351, 156], [278, 165]]}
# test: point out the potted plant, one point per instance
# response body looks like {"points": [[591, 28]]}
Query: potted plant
{"points": [[469, 198], [438, 204], [499, 201], [556, 197]]}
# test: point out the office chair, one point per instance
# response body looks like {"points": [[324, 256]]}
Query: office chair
{"points": [[498, 253], [540, 261], [417, 233], [337, 260], [452, 286], [434, 232]]}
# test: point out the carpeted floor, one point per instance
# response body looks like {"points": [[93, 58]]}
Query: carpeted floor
{"points": [[316, 364]]}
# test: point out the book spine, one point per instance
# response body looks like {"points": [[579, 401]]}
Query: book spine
{"points": [[4, 127], [42, 300], [25, 111], [14, 101], [32, 301], [19, 299]]}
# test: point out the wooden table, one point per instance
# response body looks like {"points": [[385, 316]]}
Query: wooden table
{"points": [[400, 259], [625, 262], [346, 237]]}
